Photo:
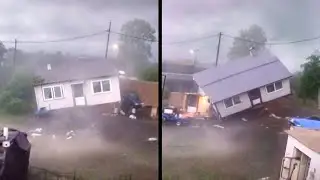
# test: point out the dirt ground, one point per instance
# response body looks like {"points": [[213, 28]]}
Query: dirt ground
{"points": [[243, 149], [104, 146]]}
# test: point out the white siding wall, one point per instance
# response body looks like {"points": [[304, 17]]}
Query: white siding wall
{"points": [[315, 157], [66, 101], [91, 98], [276, 94], [245, 104], [108, 97]]}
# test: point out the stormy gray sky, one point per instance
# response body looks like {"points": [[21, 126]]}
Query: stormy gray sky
{"points": [[283, 21], [55, 19]]}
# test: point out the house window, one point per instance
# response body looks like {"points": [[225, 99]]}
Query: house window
{"points": [[52, 92], [232, 101], [101, 86], [274, 86]]}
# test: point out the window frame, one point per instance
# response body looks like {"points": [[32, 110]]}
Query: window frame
{"points": [[233, 102], [101, 86], [53, 92], [274, 86]]}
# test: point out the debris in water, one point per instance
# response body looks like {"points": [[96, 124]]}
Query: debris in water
{"points": [[267, 127], [70, 133], [152, 139], [244, 119], [132, 116], [274, 116], [264, 178], [37, 130], [218, 126], [122, 112], [69, 137], [35, 134]]}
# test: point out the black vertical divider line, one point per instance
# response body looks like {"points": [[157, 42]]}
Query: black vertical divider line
{"points": [[160, 90]]}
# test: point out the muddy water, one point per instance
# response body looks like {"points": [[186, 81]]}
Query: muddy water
{"points": [[241, 150], [104, 147]]}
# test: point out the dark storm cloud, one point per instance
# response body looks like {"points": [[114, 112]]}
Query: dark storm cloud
{"points": [[284, 20], [55, 19]]}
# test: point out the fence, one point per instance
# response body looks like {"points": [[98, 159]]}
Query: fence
{"points": [[36, 173]]}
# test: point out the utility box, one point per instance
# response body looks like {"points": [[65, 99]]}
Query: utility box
{"points": [[14, 155]]}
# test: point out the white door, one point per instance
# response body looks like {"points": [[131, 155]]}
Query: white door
{"points": [[79, 99]]}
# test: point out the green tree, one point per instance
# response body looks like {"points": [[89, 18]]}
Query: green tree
{"points": [[150, 74], [18, 96], [310, 78], [246, 41], [134, 52]]}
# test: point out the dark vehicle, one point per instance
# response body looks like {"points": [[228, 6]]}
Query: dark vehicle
{"points": [[14, 155], [130, 103], [171, 116]]}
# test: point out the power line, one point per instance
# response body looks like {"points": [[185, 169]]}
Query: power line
{"points": [[65, 39], [76, 38], [273, 43], [242, 39], [134, 37], [192, 40]]}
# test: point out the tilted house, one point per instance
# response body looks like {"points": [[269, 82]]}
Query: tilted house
{"points": [[83, 82], [243, 83]]}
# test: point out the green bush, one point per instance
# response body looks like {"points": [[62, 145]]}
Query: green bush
{"points": [[17, 106], [17, 97], [150, 74]]}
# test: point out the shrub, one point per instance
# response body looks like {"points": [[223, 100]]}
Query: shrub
{"points": [[16, 106], [17, 97], [150, 74]]}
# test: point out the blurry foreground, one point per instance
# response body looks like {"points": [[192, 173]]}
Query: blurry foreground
{"points": [[92, 145]]}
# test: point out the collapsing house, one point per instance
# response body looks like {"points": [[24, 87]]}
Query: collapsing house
{"points": [[244, 83]]}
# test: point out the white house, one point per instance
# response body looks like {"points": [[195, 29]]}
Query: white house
{"points": [[302, 159], [76, 83], [243, 83]]}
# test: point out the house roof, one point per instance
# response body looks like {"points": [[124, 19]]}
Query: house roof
{"points": [[307, 137], [79, 69], [241, 75]]}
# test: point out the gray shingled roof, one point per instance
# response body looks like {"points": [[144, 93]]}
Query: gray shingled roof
{"points": [[76, 70], [241, 75]]}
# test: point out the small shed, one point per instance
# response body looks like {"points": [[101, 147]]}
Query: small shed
{"points": [[302, 156]]}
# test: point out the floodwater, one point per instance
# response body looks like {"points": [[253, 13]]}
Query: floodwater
{"points": [[249, 149], [103, 146]]}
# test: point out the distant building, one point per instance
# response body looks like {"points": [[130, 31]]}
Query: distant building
{"points": [[179, 77]]}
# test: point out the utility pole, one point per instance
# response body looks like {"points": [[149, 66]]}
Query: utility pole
{"points": [[107, 47], [164, 77], [14, 54], [218, 49]]}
